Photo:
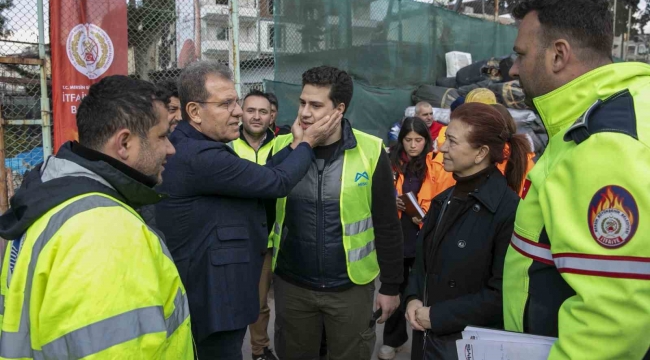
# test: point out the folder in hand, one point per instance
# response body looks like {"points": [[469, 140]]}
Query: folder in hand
{"points": [[413, 209]]}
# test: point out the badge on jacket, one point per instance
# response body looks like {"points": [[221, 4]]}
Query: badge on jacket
{"points": [[613, 217]]}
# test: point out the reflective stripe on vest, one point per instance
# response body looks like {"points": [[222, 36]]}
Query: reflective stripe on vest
{"points": [[245, 151], [94, 337], [626, 267], [359, 166]]}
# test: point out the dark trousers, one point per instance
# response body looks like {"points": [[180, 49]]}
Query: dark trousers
{"points": [[395, 331], [301, 313], [222, 345]]}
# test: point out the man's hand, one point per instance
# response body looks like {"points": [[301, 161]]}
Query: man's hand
{"points": [[417, 221], [388, 305], [411, 309], [297, 132], [422, 317], [321, 130], [400, 205]]}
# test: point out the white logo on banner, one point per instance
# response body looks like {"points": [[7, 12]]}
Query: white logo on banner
{"points": [[90, 50]]}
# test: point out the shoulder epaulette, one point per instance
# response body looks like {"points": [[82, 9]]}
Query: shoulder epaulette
{"points": [[614, 114]]}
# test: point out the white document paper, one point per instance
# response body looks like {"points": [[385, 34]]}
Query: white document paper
{"points": [[500, 350], [477, 333], [490, 344]]}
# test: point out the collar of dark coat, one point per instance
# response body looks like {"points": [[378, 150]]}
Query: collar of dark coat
{"points": [[134, 192], [63, 177], [189, 131], [489, 194], [270, 135], [349, 141]]}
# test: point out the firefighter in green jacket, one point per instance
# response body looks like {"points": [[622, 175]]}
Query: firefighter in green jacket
{"points": [[578, 266]]}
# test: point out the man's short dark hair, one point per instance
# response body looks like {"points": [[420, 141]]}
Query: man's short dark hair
{"points": [[273, 99], [116, 102], [587, 24], [191, 83], [339, 81], [171, 88], [255, 92]]}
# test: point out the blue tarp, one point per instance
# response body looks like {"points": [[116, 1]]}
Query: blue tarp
{"points": [[25, 161]]}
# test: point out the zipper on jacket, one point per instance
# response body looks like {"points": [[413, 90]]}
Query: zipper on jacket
{"points": [[425, 296], [320, 223]]}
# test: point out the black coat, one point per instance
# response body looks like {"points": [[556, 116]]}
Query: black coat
{"points": [[215, 224], [464, 271]]}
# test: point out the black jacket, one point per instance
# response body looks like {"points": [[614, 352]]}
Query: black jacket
{"points": [[215, 224], [463, 271]]}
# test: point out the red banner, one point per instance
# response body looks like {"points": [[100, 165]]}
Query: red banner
{"points": [[89, 41]]}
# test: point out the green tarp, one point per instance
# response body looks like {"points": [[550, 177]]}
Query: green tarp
{"points": [[388, 46]]}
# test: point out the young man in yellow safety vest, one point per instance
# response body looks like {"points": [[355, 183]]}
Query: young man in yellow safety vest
{"points": [[334, 233], [578, 266], [255, 143], [84, 276]]}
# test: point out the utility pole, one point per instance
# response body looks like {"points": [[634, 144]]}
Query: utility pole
{"points": [[614, 24], [234, 44], [457, 6], [496, 10], [629, 28], [622, 44], [46, 125]]}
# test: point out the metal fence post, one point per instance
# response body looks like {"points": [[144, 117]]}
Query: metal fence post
{"points": [[4, 198], [629, 31], [46, 124], [234, 43]]}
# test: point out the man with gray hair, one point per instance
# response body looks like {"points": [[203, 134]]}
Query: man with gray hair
{"points": [[424, 111], [213, 217]]}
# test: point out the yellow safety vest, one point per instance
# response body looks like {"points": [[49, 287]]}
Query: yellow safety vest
{"points": [[359, 166], [90, 279], [245, 151]]}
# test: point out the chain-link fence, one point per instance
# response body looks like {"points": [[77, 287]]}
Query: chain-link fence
{"points": [[383, 43], [484, 9], [166, 35], [20, 87]]}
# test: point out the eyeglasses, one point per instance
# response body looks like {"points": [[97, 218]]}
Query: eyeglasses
{"points": [[230, 105]]}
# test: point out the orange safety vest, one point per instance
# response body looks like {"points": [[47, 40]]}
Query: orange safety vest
{"points": [[435, 181], [529, 166]]}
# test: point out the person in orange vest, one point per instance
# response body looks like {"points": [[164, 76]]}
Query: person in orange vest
{"points": [[411, 158]]}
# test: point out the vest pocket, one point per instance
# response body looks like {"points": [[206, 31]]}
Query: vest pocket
{"points": [[231, 247], [232, 237]]}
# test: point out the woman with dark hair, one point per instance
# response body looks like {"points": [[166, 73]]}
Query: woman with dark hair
{"points": [[457, 277], [410, 157]]}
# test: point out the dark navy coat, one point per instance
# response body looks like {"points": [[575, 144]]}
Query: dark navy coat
{"points": [[215, 224]]}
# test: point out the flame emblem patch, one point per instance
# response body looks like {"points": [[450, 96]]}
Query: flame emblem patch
{"points": [[613, 217]]}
